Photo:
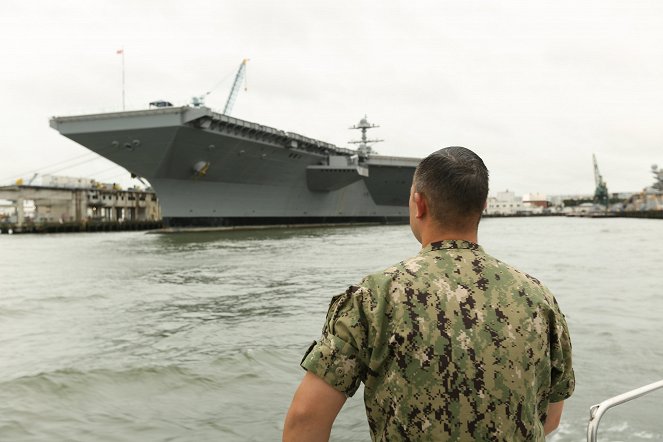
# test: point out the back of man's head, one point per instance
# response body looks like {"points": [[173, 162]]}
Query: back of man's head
{"points": [[454, 182]]}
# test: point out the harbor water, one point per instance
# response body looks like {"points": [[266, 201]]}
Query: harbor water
{"points": [[129, 336]]}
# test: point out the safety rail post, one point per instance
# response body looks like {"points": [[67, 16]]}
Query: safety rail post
{"points": [[597, 411]]}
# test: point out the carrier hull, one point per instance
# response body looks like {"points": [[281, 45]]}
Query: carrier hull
{"points": [[212, 170]]}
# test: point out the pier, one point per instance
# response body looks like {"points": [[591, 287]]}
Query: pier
{"points": [[93, 208]]}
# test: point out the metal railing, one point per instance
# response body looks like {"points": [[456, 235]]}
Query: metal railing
{"points": [[597, 411]]}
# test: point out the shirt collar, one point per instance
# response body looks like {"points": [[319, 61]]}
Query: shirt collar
{"points": [[450, 244]]}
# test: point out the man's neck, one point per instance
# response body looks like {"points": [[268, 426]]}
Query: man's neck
{"points": [[435, 235]]}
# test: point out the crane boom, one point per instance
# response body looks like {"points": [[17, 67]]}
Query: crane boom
{"points": [[601, 195], [241, 72], [597, 174]]}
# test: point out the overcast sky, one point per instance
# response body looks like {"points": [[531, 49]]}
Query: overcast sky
{"points": [[533, 87]]}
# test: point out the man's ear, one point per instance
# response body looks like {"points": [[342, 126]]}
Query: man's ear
{"points": [[420, 204]]}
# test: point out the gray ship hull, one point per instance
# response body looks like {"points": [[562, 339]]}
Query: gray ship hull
{"points": [[213, 170]]}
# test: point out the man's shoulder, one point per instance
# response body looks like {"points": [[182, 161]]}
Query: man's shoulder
{"points": [[405, 273], [507, 277], [518, 275], [455, 264], [408, 266]]}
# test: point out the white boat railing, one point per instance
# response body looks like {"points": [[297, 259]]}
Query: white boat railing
{"points": [[597, 411]]}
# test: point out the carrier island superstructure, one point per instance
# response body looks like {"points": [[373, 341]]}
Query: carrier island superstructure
{"points": [[213, 170]]}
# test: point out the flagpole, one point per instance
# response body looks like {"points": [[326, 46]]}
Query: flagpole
{"points": [[123, 107], [121, 52]]}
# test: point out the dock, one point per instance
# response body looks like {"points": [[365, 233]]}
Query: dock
{"points": [[94, 208]]}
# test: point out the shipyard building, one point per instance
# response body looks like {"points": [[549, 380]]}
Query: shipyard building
{"points": [[76, 204], [507, 203]]}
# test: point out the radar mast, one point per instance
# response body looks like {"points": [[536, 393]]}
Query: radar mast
{"points": [[364, 150]]}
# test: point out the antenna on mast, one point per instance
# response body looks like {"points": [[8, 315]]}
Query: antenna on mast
{"points": [[365, 150]]}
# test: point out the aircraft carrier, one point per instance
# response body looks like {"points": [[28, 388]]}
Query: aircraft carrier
{"points": [[212, 170]]}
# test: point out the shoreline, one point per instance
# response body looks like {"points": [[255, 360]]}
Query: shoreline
{"points": [[156, 227]]}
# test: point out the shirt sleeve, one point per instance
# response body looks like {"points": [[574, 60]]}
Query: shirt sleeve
{"points": [[562, 376], [338, 357]]}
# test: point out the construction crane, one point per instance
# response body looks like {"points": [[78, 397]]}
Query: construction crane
{"points": [[199, 101], [21, 182], [601, 195], [241, 74], [658, 177]]}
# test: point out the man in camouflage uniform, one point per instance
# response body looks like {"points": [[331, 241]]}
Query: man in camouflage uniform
{"points": [[451, 344]]}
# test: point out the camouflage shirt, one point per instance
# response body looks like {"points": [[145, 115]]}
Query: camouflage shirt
{"points": [[451, 344]]}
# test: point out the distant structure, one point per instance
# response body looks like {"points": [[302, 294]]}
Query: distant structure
{"points": [[504, 203], [601, 195], [651, 198], [658, 177], [508, 204], [536, 200], [161, 103], [76, 204]]}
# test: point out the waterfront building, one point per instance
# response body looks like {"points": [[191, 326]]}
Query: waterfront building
{"points": [[535, 202], [76, 202], [504, 204]]}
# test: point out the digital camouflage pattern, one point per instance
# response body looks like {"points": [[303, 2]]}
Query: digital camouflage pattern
{"points": [[451, 344]]}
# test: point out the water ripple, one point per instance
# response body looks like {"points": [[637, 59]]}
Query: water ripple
{"points": [[128, 336]]}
